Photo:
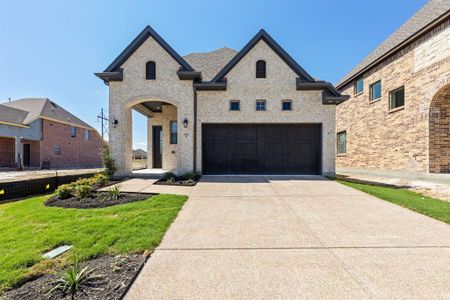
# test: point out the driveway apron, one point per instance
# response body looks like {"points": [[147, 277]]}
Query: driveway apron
{"points": [[295, 237]]}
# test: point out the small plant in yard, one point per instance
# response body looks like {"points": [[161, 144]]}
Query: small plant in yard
{"points": [[114, 193], [83, 191], [108, 162], [65, 191], [72, 280], [190, 176], [101, 179], [85, 181]]}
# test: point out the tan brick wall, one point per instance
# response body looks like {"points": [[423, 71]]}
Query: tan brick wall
{"points": [[136, 89], [440, 132], [169, 151], [307, 107], [378, 138]]}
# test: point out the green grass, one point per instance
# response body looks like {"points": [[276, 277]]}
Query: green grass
{"points": [[434, 208], [28, 229]]}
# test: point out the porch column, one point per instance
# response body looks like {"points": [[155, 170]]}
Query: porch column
{"points": [[149, 144], [18, 152]]}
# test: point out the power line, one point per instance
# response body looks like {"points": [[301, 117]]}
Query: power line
{"points": [[104, 120]]}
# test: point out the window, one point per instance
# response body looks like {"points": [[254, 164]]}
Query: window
{"points": [[57, 149], [359, 86], [73, 131], [150, 70], [342, 142], [173, 132], [397, 98], [260, 105], [86, 134], [235, 105], [260, 69], [286, 105], [375, 91]]}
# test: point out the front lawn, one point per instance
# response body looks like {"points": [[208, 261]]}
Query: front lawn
{"points": [[28, 229], [434, 208]]}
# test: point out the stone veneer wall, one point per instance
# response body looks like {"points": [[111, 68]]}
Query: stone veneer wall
{"points": [[379, 138], [169, 153], [135, 89], [279, 84]]}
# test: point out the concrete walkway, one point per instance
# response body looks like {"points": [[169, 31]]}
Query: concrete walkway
{"points": [[251, 237]]}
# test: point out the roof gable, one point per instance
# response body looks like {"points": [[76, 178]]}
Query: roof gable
{"points": [[263, 35], [138, 41], [434, 10], [36, 108]]}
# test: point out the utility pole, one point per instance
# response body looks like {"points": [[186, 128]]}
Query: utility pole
{"points": [[103, 118]]}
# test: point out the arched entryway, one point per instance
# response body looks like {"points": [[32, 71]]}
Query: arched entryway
{"points": [[158, 130], [439, 126]]}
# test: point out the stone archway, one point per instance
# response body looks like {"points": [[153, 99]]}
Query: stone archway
{"points": [[439, 132], [158, 111]]}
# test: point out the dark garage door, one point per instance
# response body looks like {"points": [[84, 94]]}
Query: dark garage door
{"points": [[261, 149]]}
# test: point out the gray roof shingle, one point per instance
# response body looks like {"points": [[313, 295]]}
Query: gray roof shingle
{"points": [[34, 108], [427, 14], [210, 63]]}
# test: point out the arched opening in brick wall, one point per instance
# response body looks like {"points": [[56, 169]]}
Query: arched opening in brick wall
{"points": [[154, 130], [439, 127]]}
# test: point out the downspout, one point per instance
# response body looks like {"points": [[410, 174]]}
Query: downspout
{"points": [[195, 127]]}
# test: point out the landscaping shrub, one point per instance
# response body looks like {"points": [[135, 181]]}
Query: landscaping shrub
{"points": [[83, 191], [100, 179], [169, 176], [108, 162], [65, 191], [85, 181], [190, 176], [114, 193], [72, 280]]}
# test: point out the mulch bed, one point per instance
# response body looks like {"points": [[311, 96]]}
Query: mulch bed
{"points": [[116, 273], [97, 200], [176, 182]]}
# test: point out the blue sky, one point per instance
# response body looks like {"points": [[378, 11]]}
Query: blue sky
{"points": [[52, 48]]}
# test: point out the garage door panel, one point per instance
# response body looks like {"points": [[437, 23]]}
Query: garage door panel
{"points": [[261, 149]]}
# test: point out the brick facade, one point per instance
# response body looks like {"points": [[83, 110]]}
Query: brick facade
{"points": [[399, 139], [76, 151], [7, 152], [440, 132]]}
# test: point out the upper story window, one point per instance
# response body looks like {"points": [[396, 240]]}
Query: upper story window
{"points": [[260, 105], [375, 91], [342, 142], [235, 105], [173, 132], [397, 98], [286, 105], [86, 134], [359, 86], [73, 131], [150, 70], [260, 69]]}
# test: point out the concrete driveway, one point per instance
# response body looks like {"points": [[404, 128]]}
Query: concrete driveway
{"points": [[265, 237]]}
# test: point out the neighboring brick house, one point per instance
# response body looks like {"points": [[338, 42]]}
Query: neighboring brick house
{"points": [[398, 114], [36, 130], [255, 111]]}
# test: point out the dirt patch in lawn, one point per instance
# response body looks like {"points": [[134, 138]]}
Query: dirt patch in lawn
{"points": [[114, 273], [97, 200]]}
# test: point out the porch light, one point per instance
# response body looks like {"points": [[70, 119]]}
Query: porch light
{"points": [[185, 123], [114, 123]]}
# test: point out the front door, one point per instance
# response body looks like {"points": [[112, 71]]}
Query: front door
{"points": [[157, 147], [26, 155]]}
